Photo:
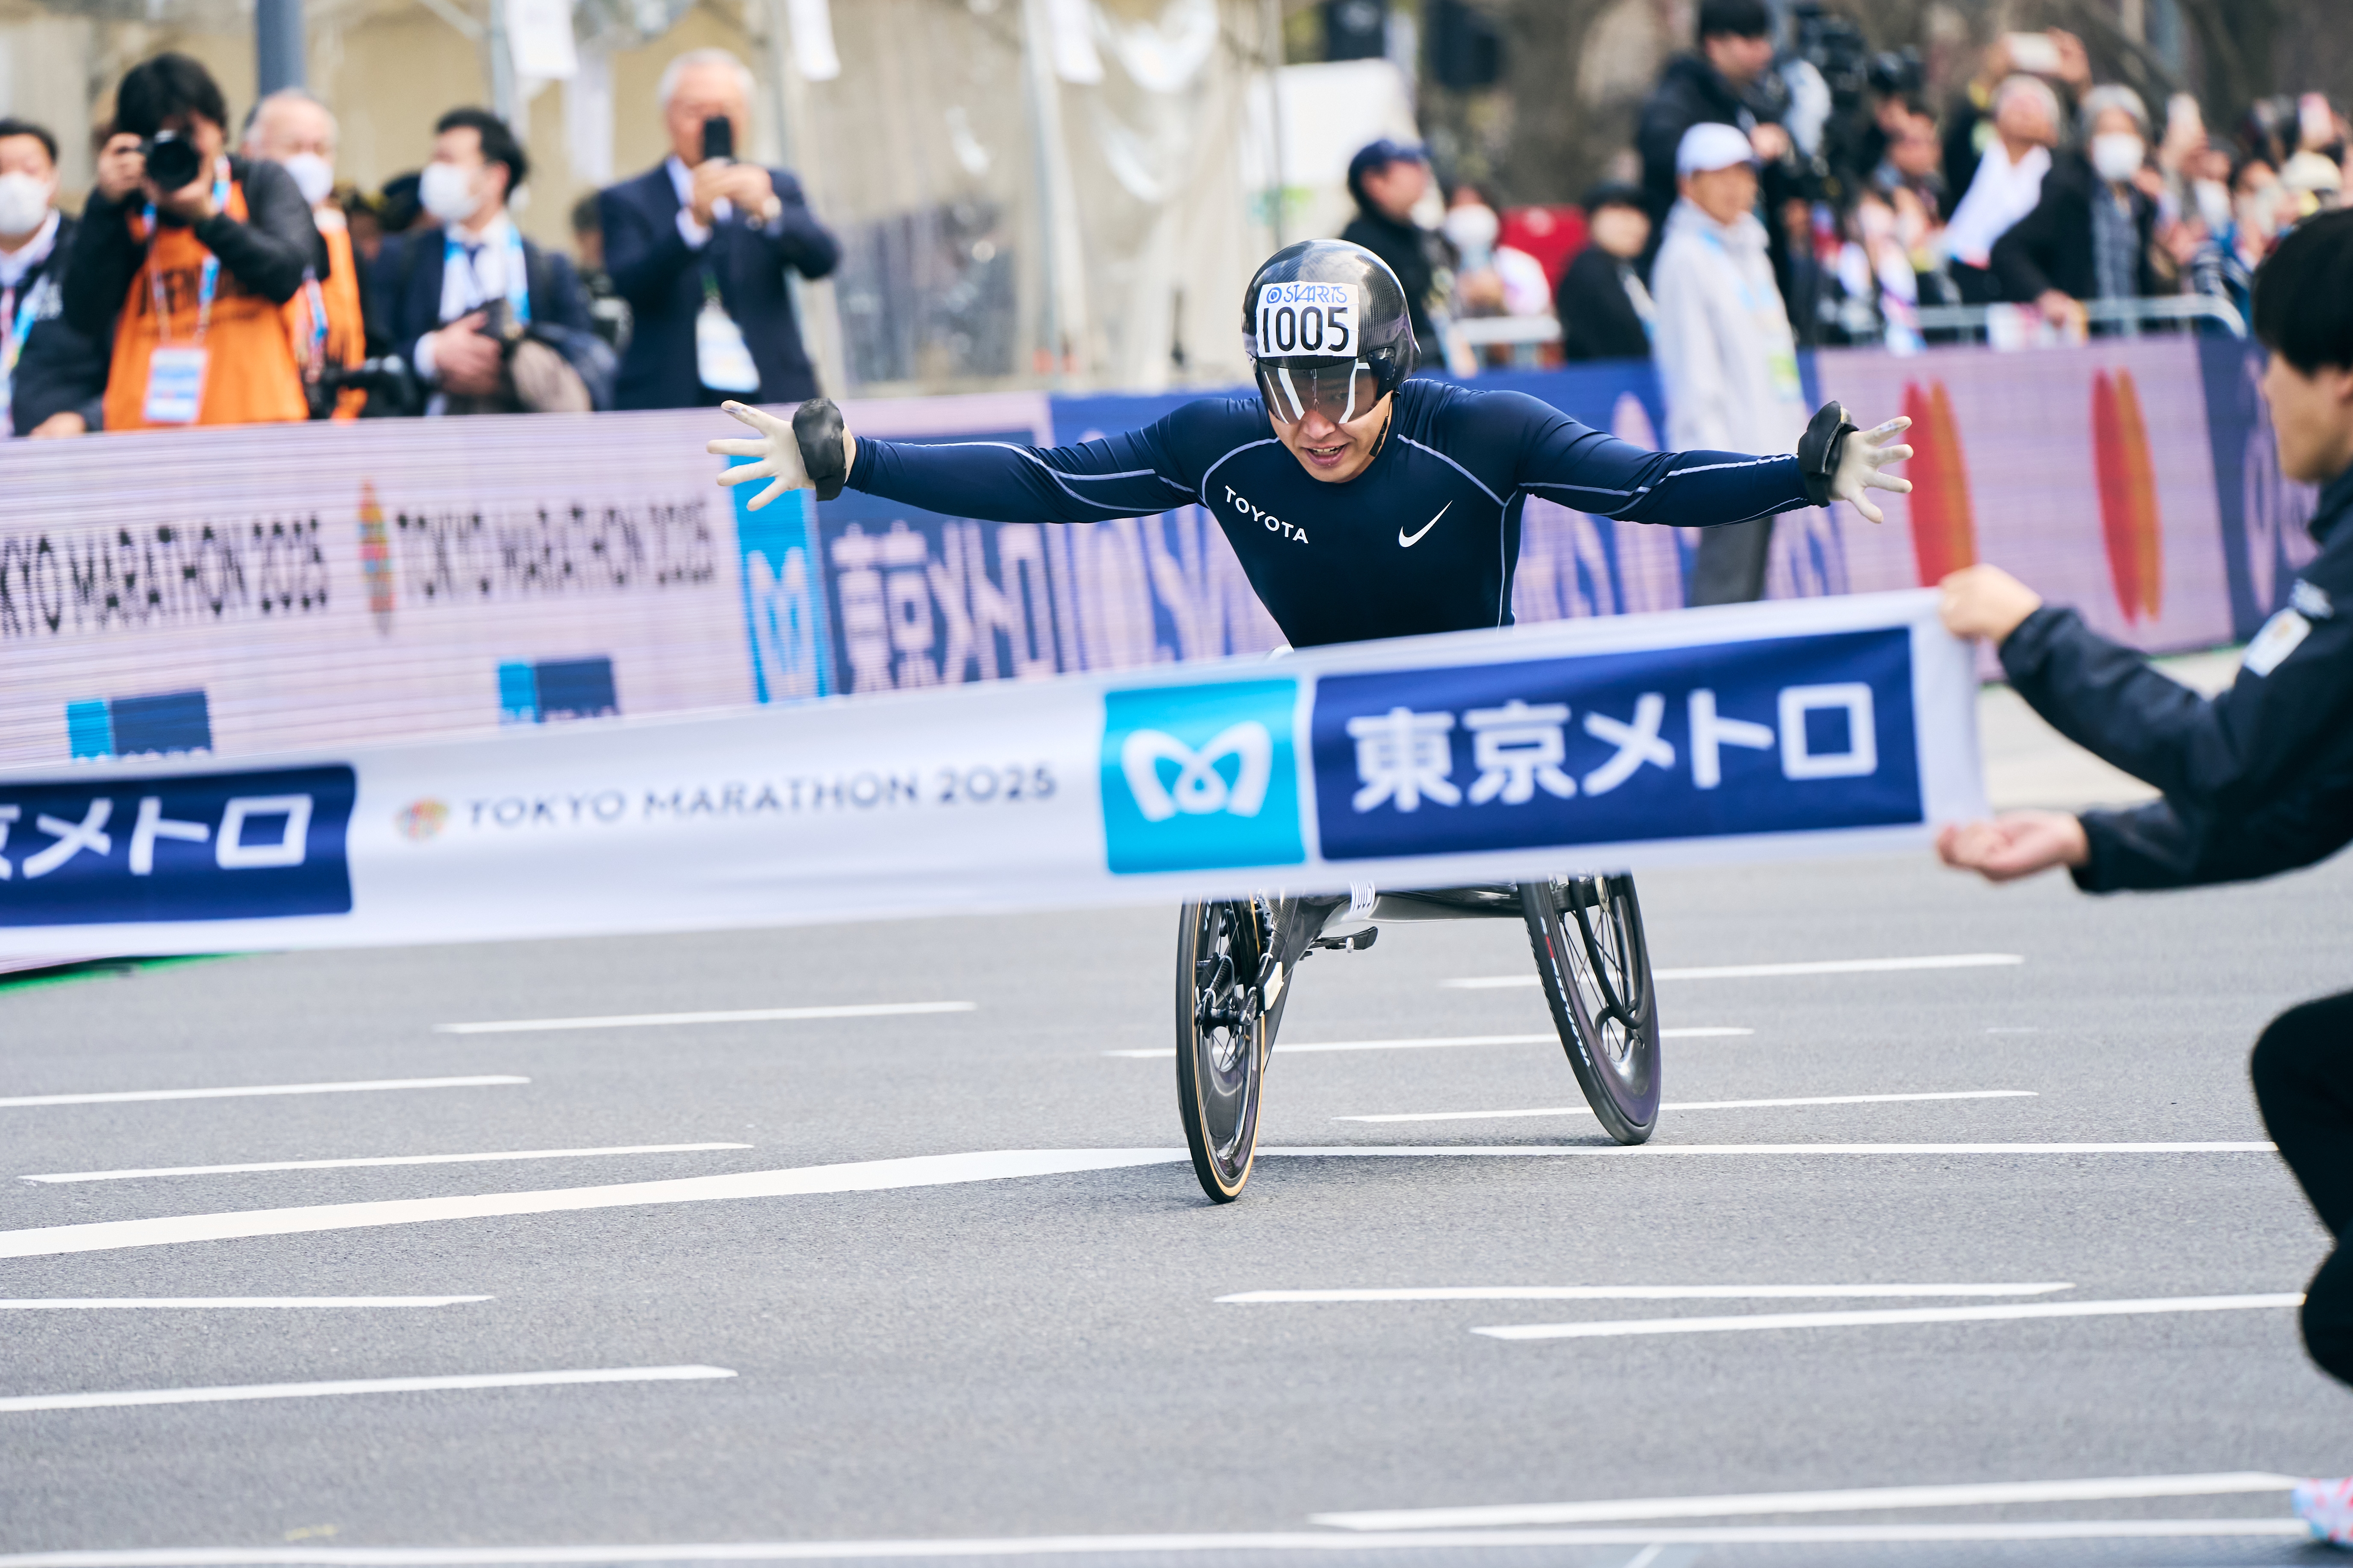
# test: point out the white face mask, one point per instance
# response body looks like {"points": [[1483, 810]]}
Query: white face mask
{"points": [[448, 193], [313, 177], [1473, 230], [2118, 155], [2213, 199], [24, 204]]}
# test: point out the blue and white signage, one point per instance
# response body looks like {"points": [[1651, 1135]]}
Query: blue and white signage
{"points": [[1790, 734], [1803, 728], [1199, 777], [195, 847]]}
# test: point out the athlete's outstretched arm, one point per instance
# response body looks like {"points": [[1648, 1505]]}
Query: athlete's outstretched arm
{"points": [[1577, 467], [1129, 474]]}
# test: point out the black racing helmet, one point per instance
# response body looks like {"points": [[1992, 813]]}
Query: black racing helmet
{"points": [[1326, 326]]}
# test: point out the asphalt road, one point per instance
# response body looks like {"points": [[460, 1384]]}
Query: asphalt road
{"points": [[993, 1358]]}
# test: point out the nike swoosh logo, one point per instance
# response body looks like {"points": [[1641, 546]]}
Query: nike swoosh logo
{"points": [[1407, 541]]}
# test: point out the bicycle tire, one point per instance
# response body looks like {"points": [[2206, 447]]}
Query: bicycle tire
{"points": [[1595, 962]]}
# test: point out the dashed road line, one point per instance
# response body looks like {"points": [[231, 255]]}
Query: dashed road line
{"points": [[381, 1160], [1764, 970], [1701, 1105], [743, 1015], [1877, 1317], [241, 1091], [112, 1399], [1629, 1292]]}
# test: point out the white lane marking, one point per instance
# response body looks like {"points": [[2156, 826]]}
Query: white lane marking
{"points": [[1646, 1151], [1855, 1499], [1871, 1317], [1701, 1105], [381, 1160], [1631, 1293], [239, 1093], [1162, 1053], [1318, 1542], [746, 1016], [356, 1385], [210, 1303], [1758, 970], [867, 1176], [874, 1175], [1648, 1555]]}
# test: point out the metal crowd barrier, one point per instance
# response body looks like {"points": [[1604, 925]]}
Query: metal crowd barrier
{"points": [[1523, 338]]}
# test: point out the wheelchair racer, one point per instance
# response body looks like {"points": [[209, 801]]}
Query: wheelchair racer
{"points": [[1361, 503]]}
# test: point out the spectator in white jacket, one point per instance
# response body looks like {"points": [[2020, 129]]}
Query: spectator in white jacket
{"points": [[1727, 359]]}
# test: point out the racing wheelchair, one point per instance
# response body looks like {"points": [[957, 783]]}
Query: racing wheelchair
{"points": [[1235, 960]]}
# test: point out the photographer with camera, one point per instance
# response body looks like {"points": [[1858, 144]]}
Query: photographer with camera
{"points": [[1723, 82], [194, 251], [700, 245], [486, 320]]}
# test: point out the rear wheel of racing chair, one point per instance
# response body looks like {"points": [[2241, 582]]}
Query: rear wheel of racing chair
{"points": [[1226, 957], [1596, 967]]}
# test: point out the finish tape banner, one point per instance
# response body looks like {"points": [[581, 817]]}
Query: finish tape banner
{"points": [[1739, 733]]}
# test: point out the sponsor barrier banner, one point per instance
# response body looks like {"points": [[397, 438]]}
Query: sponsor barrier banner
{"points": [[243, 593], [1752, 731]]}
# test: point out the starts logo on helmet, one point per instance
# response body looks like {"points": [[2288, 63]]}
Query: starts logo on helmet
{"points": [[1200, 777]]}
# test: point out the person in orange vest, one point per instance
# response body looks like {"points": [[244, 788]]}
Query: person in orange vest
{"points": [[296, 132], [191, 254]]}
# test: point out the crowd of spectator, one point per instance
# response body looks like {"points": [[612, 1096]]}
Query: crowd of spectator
{"points": [[2035, 186], [210, 283], [206, 283]]}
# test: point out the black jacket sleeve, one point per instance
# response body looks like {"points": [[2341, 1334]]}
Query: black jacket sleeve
{"points": [[104, 258], [643, 256], [2160, 845], [799, 241], [2274, 732], [61, 371], [2026, 257], [567, 304], [270, 250]]}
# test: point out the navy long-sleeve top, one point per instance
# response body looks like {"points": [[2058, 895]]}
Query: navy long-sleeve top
{"points": [[2257, 780], [1424, 539]]}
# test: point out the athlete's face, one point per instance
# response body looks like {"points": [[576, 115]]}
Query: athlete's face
{"points": [[1327, 448]]}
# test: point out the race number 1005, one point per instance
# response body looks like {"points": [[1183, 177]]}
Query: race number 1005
{"points": [[1311, 325]]}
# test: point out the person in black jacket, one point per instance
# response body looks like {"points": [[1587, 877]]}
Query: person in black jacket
{"points": [[1604, 310], [1718, 84], [2088, 237], [2256, 780], [51, 378], [1388, 178], [452, 301], [698, 245]]}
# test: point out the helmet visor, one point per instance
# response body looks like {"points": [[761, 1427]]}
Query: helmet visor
{"points": [[1340, 390]]}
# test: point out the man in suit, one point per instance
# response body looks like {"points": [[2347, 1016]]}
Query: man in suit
{"points": [[699, 247], [453, 300]]}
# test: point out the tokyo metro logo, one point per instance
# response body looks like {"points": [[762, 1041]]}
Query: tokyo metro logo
{"points": [[1196, 777]]}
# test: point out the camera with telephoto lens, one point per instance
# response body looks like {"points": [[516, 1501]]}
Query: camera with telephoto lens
{"points": [[173, 160], [392, 388]]}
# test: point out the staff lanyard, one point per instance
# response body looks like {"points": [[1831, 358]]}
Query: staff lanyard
{"points": [[518, 279], [211, 278], [18, 314], [316, 303]]}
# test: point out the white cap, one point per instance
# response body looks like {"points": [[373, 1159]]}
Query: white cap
{"points": [[1712, 145]]}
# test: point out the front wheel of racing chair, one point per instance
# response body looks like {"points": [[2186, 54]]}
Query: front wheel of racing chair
{"points": [[1595, 964]]}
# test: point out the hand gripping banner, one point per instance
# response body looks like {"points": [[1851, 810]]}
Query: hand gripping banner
{"points": [[1767, 730]]}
